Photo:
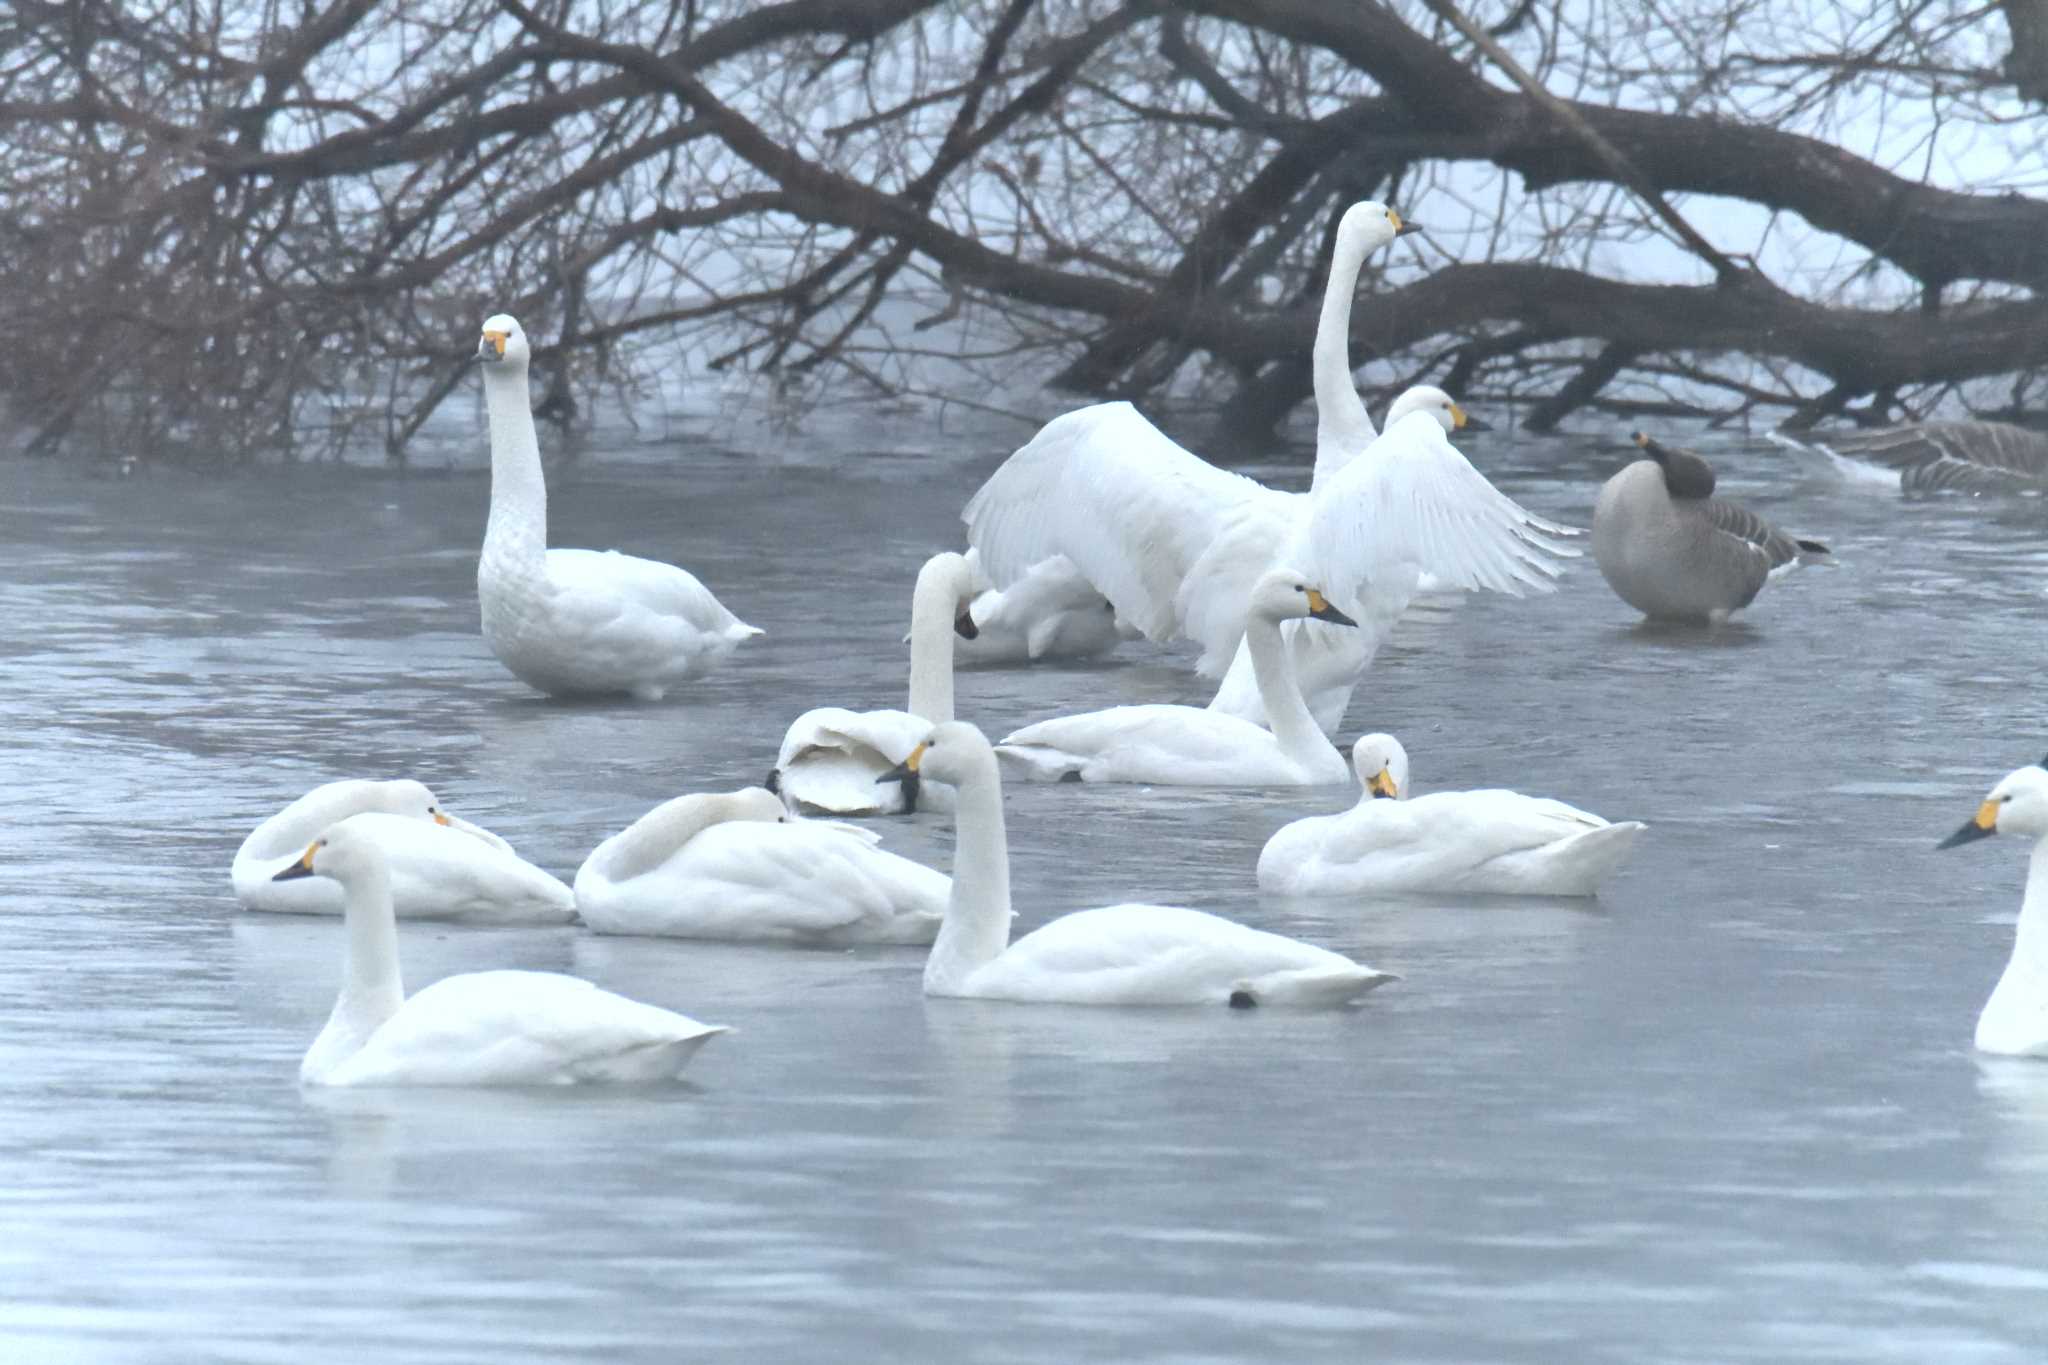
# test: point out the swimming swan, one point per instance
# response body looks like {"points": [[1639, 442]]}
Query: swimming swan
{"points": [[1190, 746], [479, 1028], [577, 622], [1491, 841], [737, 866], [441, 867], [2015, 1018], [830, 756], [1117, 955]]}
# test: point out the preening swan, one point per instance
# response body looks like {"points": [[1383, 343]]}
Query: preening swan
{"points": [[479, 1028], [577, 622], [1927, 457], [1672, 551], [736, 865], [1491, 841], [830, 757], [1189, 746], [1118, 955], [440, 867], [2015, 1018], [1050, 613]]}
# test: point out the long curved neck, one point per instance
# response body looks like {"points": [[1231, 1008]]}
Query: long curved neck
{"points": [[371, 989], [291, 829], [1343, 428], [2030, 940], [933, 605], [658, 835], [518, 530], [1287, 715], [977, 924]]}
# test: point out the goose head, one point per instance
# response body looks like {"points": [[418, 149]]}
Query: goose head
{"points": [[504, 343], [345, 852], [956, 753], [1434, 401], [1369, 225], [1686, 475], [1285, 595], [1382, 766], [2017, 805]]}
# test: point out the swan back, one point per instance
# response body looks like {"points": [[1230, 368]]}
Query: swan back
{"points": [[298, 824]]}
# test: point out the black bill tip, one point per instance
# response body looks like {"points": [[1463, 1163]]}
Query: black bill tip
{"points": [[1970, 833], [294, 872], [964, 627]]}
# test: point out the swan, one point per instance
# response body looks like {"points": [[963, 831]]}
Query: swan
{"points": [[440, 867], [736, 866], [577, 622], [1189, 746], [1925, 457], [1052, 612], [479, 1028], [830, 756], [2015, 1019], [1674, 552], [1117, 955], [1493, 841]]}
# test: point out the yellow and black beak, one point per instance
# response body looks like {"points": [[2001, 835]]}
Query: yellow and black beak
{"points": [[1319, 609], [1402, 228], [906, 773], [964, 627], [492, 347], [440, 817], [1980, 826], [1382, 785], [302, 868]]}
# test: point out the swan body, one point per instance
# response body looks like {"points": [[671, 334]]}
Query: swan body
{"points": [[1052, 612], [440, 867], [1486, 842], [831, 756], [1190, 746], [577, 622], [736, 866], [1674, 552], [478, 1028], [2014, 1021], [1927, 457], [1116, 955]]}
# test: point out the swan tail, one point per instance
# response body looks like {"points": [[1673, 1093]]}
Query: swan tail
{"points": [[1576, 866], [1335, 984]]}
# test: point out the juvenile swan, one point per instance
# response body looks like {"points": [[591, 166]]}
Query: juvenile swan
{"points": [[1190, 746], [1117, 955], [1489, 842], [479, 1028], [441, 867], [735, 865], [577, 622], [2015, 1018], [1673, 551]]}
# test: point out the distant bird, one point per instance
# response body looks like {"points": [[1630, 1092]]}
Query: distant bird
{"points": [[2015, 1018], [1673, 551], [1929, 457]]}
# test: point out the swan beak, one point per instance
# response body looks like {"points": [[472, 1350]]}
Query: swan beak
{"points": [[1982, 826], [302, 868], [964, 627], [440, 817], [1465, 421], [1382, 785], [1319, 609], [905, 770], [1401, 227], [492, 347]]}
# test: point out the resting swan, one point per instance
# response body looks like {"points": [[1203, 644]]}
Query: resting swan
{"points": [[1117, 955], [2015, 1019], [737, 866], [440, 867], [1186, 745], [577, 622], [1490, 842], [830, 756], [1050, 613], [479, 1028]]}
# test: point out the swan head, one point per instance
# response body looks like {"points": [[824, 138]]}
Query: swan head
{"points": [[1434, 401], [346, 851], [407, 797], [1369, 225], [755, 803], [1686, 475], [1285, 595], [951, 576], [955, 753], [2017, 805], [503, 343], [1382, 766]]}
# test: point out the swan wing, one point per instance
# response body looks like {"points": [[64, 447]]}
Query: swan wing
{"points": [[604, 595], [437, 872], [1180, 745], [830, 758]]}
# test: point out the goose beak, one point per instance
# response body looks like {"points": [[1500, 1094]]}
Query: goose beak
{"points": [[302, 868], [1319, 609], [1982, 826], [1402, 227], [964, 627], [1382, 785], [492, 347]]}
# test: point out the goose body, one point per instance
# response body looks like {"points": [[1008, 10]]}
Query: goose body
{"points": [[2014, 1021], [1674, 552], [1928, 457], [439, 867], [1483, 842], [1115, 955], [478, 1028], [736, 866], [577, 622]]}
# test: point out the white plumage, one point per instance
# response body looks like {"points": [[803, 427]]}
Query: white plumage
{"points": [[1052, 612], [2014, 1021]]}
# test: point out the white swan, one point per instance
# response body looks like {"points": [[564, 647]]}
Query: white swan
{"points": [[737, 866], [1492, 841], [830, 756], [577, 622], [479, 1028], [1186, 745], [1117, 955], [440, 867], [1052, 612], [2015, 1018]]}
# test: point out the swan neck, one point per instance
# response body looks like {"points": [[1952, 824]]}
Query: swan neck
{"points": [[933, 607], [660, 834], [977, 924], [2030, 940], [1343, 428], [518, 529], [1287, 714]]}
